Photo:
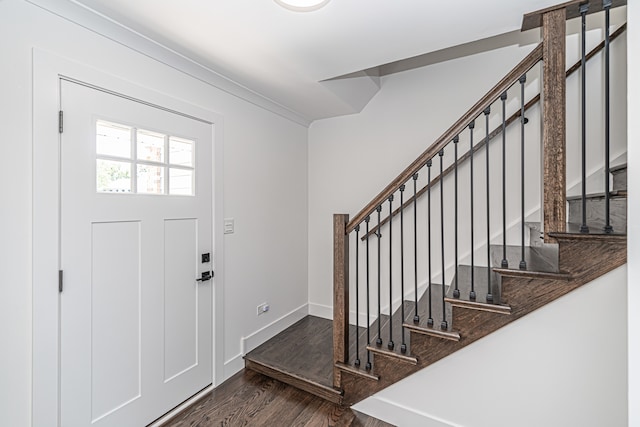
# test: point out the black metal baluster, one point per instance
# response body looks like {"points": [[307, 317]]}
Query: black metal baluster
{"points": [[379, 339], [606, 4], [523, 121], [390, 345], [443, 325], [429, 163], [584, 8], [357, 361], [505, 262], [472, 125], [416, 316], [403, 347], [368, 365], [456, 139], [487, 111]]}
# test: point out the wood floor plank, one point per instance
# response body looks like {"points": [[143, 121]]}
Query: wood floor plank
{"points": [[252, 399]]}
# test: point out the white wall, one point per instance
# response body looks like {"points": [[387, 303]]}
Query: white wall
{"points": [[265, 190], [633, 249], [569, 371]]}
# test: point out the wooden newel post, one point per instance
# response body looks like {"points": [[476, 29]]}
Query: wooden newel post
{"points": [[340, 294], [554, 132]]}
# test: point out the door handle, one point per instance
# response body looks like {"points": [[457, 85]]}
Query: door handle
{"points": [[206, 276]]}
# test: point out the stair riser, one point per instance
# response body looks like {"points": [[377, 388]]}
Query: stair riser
{"points": [[620, 180], [595, 212], [591, 259], [525, 295], [390, 371]]}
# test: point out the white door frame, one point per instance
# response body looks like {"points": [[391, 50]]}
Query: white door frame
{"points": [[47, 71]]}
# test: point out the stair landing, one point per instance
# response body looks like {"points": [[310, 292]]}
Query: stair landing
{"points": [[301, 356]]}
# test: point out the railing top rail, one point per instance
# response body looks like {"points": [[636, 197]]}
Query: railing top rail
{"points": [[523, 67], [534, 19]]}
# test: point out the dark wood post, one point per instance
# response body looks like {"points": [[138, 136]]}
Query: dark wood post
{"points": [[554, 122], [340, 294]]}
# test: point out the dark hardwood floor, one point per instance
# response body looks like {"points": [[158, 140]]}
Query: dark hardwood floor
{"points": [[252, 399]]}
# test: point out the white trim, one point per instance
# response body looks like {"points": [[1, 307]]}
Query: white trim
{"points": [[100, 24], [399, 415], [233, 366], [47, 69], [633, 216], [269, 331], [255, 339], [320, 310]]}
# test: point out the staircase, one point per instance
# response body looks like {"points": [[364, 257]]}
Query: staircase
{"points": [[481, 274], [552, 271]]}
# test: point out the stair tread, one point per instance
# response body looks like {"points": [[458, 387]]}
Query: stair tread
{"points": [[574, 228], [448, 334], [538, 259], [617, 168], [362, 341], [594, 230], [436, 313], [395, 332], [617, 194], [597, 234], [394, 354], [480, 279], [360, 371], [504, 272]]}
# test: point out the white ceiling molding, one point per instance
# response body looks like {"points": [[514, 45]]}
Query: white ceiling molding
{"points": [[288, 62], [91, 20]]}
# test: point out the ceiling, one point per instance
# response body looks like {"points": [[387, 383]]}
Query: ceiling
{"points": [[294, 58]]}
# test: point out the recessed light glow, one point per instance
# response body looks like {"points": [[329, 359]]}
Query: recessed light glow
{"points": [[302, 5]]}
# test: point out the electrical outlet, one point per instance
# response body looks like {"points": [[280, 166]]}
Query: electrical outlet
{"points": [[263, 308]]}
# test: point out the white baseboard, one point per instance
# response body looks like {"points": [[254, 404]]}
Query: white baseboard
{"points": [[319, 310], [253, 340], [232, 366], [398, 415], [264, 334]]}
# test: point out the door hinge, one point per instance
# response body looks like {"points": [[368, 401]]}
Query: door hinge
{"points": [[60, 121], [60, 285]]}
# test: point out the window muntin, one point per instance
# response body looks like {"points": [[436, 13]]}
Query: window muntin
{"points": [[159, 163]]}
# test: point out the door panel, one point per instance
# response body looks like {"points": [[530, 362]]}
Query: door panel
{"points": [[116, 340], [181, 296], [136, 214]]}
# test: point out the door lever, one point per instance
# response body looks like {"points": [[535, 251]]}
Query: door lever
{"points": [[206, 275]]}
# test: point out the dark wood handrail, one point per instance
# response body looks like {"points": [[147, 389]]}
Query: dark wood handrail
{"points": [[523, 67], [572, 9], [497, 131]]}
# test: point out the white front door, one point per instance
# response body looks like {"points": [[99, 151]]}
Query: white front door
{"points": [[136, 225]]}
